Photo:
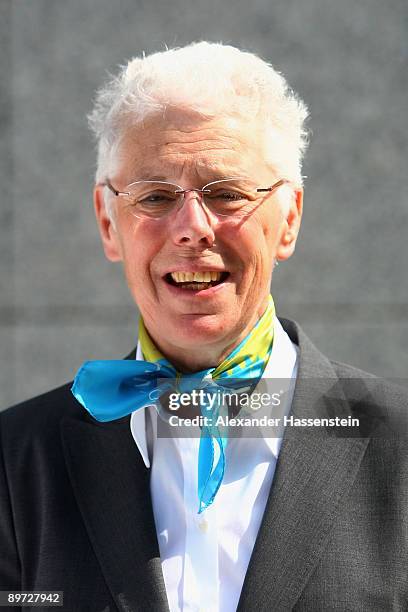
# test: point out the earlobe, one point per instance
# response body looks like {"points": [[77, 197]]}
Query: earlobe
{"points": [[107, 231]]}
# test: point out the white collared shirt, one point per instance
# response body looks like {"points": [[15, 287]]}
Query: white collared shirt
{"points": [[205, 556]]}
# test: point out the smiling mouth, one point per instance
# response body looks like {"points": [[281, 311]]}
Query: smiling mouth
{"points": [[196, 281]]}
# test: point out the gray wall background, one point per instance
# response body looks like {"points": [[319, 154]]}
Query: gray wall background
{"points": [[62, 303]]}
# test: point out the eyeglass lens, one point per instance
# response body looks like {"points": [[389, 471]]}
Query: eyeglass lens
{"points": [[225, 197]]}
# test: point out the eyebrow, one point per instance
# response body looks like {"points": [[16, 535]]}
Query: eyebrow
{"points": [[205, 171], [147, 176], [212, 174]]}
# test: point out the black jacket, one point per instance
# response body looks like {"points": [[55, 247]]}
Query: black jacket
{"points": [[76, 514]]}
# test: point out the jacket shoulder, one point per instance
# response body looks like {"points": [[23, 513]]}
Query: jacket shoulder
{"points": [[380, 405], [350, 376], [357, 385], [42, 413]]}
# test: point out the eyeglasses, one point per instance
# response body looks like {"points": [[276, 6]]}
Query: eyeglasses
{"points": [[234, 196]]}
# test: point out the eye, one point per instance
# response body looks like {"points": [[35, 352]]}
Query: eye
{"points": [[157, 197], [153, 198], [227, 195]]}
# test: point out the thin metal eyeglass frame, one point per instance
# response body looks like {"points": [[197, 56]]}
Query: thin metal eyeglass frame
{"points": [[183, 192]]}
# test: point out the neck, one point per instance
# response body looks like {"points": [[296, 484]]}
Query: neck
{"points": [[189, 360]]}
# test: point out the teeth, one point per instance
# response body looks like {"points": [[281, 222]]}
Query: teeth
{"points": [[200, 277]]}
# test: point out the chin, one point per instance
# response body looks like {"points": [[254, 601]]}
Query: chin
{"points": [[191, 330]]}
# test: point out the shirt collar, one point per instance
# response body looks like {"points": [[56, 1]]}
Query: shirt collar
{"points": [[282, 364]]}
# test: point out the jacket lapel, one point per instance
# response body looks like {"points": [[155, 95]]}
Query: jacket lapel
{"points": [[315, 470], [111, 485]]}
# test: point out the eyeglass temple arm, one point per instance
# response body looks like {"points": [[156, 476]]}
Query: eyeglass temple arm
{"points": [[275, 186], [113, 190]]}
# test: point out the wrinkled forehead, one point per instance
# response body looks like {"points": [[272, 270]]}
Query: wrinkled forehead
{"points": [[180, 144]]}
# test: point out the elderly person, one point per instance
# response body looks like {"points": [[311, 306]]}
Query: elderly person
{"points": [[199, 194]]}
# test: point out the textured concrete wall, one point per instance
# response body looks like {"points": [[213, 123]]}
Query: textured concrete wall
{"points": [[61, 302]]}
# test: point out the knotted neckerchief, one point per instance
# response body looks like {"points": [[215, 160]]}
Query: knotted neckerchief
{"points": [[110, 390]]}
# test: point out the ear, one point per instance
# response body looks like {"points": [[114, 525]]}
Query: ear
{"points": [[290, 226], [110, 240]]}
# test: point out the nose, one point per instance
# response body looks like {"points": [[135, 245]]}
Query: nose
{"points": [[193, 225]]}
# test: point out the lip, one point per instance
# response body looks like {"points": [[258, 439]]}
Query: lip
{"points": [[192, 293], [199, 293]]}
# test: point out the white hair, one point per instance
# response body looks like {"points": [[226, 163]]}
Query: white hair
{"points": [[210, 79]]}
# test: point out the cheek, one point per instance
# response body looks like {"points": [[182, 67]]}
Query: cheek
{"points": [[137, 254], [254, 258], [255, 240], [260, 245], [269, 224]]}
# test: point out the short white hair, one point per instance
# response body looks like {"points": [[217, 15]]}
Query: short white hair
{"points": [[210, 79]]}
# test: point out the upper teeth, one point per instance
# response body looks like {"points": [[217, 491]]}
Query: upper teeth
{"points": [[200, 277]]}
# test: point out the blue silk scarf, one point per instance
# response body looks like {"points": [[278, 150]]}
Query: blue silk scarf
{"points": [[110, 390]]}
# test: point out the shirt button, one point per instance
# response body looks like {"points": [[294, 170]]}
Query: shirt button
{"points": [[203, 526]]}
